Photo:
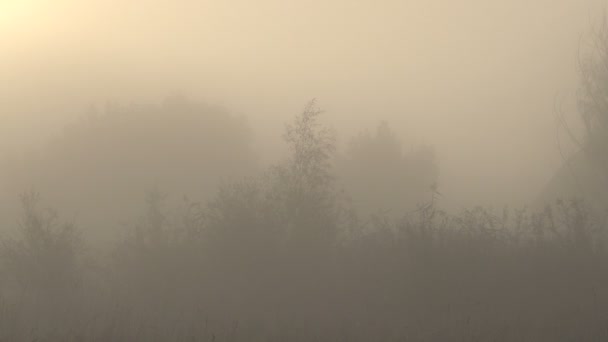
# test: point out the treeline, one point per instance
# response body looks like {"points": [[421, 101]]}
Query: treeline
{"points": [[97, 169], [286, 256]]}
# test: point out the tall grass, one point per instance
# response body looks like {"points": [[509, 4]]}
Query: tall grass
{"points": [[476, 276], [283, 257]]}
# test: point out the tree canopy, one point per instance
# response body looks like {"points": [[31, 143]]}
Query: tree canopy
{"points": [[105, 163]]}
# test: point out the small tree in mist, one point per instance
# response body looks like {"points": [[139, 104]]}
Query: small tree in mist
{"points": [[293, 207], [242, 245], [47, 257], [311, 146], [304, 184]]}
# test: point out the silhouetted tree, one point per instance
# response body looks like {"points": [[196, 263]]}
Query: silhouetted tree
{"points": [[304, 184], [293, 207]]}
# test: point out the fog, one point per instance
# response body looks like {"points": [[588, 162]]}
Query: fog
{"points": [[292, 171], [476, 79]]}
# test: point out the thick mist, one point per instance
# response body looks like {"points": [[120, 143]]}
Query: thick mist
{"points": [[476, 79], [303, 171]]}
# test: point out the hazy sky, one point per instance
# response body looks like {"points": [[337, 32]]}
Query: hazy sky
{"points": [[476, 78]]}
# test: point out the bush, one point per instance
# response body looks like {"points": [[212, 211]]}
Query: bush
{"points": [[47, 257]]}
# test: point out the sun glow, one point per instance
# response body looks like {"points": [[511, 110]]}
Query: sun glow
{"points": [[11, 10], [18, 14]]}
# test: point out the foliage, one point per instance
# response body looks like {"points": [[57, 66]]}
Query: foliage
{"points": [[263, 261], [47, 255], [101, 165]]}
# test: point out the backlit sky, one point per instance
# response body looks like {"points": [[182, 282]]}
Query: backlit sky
{"points": [[477, 79]]}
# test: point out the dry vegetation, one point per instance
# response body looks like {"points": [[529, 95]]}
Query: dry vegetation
{"points": [[303, 251], [283, 257]]}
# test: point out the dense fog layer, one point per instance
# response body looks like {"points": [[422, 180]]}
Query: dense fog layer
{"points": [[321, 170], [476, 79]]}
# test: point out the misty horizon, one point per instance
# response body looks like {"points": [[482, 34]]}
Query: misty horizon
{"points": [[327, 170], [495, 88]]}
